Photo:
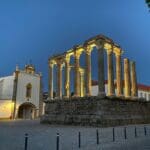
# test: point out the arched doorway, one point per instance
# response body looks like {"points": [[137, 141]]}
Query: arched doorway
{"points": [[27, 111]]}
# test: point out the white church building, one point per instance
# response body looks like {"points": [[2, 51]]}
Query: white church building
{"points": [[21, 94]]}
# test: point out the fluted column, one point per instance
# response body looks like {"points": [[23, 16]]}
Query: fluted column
{"points": [[127, 84], [88, 71], [59, 79], [51, 80], [67, 77], [110, 72], [81, 83], [77, 74], [101, 76], [133, 80], [118, 74]]}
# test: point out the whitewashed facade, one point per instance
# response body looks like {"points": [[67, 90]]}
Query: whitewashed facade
{"points": [[143, 90], [21, 94]]}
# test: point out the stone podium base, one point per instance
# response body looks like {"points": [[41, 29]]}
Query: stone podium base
{"points": [[95, 111]]}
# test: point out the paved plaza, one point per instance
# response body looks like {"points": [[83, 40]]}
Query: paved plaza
{"points": [[43, 137]]}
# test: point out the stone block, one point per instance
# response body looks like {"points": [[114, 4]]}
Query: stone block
{"points": [[95, 111]]}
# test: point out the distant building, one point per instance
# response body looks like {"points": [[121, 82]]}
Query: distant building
{"points": [[21, 94], [143, 90]]}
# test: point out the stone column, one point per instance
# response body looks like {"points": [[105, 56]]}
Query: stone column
{"points": [[67, 77], [59, 79], [51, 80], [101, 76], [88, 71], [81, 82], [118, 74], [133, 80], [110, 72], [127, 85], [77, 74]]}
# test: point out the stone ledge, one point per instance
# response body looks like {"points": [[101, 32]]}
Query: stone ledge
{"points": [[95, 111]]}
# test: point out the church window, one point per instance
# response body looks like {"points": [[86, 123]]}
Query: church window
{"points": [[28, 90]]}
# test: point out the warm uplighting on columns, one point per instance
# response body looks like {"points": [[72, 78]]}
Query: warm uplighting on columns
{"points": [[59, 78], [118, 52], [77, 73], [101, 76], [133, 80], [88, 70], [67, 76], [110, 72], [51, 64], [81, 82], [127, 85]]}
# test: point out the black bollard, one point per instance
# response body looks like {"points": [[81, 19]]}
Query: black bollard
{"points": [[57, 141], [79, 139], [135, 131], [26, 142], [113, 134], [97, 137], [145, 131], [125, 133]]}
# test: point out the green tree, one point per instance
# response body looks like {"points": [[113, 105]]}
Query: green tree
{"points": [[148, 3]]}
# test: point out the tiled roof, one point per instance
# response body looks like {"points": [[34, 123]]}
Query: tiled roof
{"points": [[144, 87]]}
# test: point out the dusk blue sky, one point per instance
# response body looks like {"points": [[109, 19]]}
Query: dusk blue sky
{"points": [[37, 29]]}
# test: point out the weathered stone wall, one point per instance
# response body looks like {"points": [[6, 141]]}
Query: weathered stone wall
{"points": [[93, 111]]}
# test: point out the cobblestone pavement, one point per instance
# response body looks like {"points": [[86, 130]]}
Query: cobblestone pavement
{"points": [[43, 137]]}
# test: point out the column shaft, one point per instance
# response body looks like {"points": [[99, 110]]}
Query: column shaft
{"points": [[88, 73], [81, 83], [77, 76], [133, 80], [118, 75], [127, 84], [59, 80], [111, 90], [51, 81], [67, 79], [101, 76]]}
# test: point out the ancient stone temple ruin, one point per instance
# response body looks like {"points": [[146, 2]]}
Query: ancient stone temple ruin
{"points": [[119, 106], [83, 87]]}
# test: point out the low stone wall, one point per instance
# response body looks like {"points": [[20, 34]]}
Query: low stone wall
{"points": [[94, 111]]}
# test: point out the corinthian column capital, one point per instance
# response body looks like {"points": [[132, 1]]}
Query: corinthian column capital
{"points": [[99, 44], [77, 54], [117, 51], [88, 50], [51, 63], [108, 47], [60, 63], [67, 58]]}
